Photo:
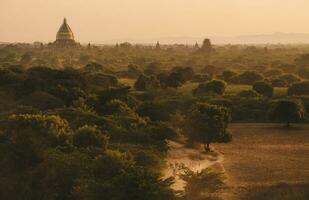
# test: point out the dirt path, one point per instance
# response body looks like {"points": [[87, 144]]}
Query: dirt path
{"points": [[195, 159]]}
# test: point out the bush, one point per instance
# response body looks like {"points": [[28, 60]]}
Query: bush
{"points": [[201, 184], [248, 77], [263, 88], [173, 79], [214, 86], [146, 82], [87, 136], [301, 88]]}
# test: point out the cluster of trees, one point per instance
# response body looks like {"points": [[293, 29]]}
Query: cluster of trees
{"points": [[73, 130], [80, 134]]}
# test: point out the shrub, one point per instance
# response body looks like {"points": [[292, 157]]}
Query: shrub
{"points": [[301, 88], [263, 88], [87, 136], [214, 86], [146, 82], [116, 106], [201, 184], [173, 79]]}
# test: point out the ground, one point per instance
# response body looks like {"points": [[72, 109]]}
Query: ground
{"points": [[264, 158], [263, 162]]}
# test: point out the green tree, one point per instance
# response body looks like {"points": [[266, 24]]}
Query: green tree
{"points": [[207, 124]]}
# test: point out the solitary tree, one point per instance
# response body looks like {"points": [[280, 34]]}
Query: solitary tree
{"points": [[287, 111], [207, 124]]}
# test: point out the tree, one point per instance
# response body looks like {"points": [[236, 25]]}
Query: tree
{"points": [[287, 111], [263, 88], [146, 82], [247, 77], [214, 86], [29, 136], [301, 88], [207, 124], [227, 75]]}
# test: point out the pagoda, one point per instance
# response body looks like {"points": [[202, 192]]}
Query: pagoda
{"points": [[65, 37]]}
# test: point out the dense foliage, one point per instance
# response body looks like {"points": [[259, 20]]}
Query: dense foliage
{"points": [[93, 123]]}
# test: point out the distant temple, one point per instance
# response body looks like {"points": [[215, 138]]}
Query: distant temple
{"points": [[65, 37]]}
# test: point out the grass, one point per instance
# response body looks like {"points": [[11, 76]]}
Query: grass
{"points": [[127, 81], [267, 162]]}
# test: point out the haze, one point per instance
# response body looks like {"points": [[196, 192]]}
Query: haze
{"points": [[106, 20]]}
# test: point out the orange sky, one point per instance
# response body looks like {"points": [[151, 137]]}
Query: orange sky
{"points": [[103, 20]]}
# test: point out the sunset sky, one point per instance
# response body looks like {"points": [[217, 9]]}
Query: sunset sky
{"points": [[103, 20]]}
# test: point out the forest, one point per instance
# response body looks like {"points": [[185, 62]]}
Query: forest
{"points": [[99, 121]]}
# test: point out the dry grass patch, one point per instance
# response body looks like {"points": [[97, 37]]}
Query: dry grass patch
{"points": [[266, 154]]}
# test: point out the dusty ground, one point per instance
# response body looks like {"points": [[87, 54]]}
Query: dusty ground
{"points": [[195, 159], [265, 155]]}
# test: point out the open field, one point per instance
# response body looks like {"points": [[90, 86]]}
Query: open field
{"points": [[267, 162]]}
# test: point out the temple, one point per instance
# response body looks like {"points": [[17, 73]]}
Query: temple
{"points": [[65, 37]]}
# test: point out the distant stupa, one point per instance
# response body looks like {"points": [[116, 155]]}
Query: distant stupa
{"points": [[65, 37]]}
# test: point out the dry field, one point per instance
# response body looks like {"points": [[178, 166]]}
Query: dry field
{"points": [[267, 162]]}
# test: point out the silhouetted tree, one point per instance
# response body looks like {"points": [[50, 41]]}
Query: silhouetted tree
{"points": [[287, 111]]}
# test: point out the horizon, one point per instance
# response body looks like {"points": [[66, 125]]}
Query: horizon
{"points": [[102, 21]]}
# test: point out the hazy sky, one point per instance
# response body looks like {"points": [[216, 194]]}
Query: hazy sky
{"points": [[103, 20]]}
